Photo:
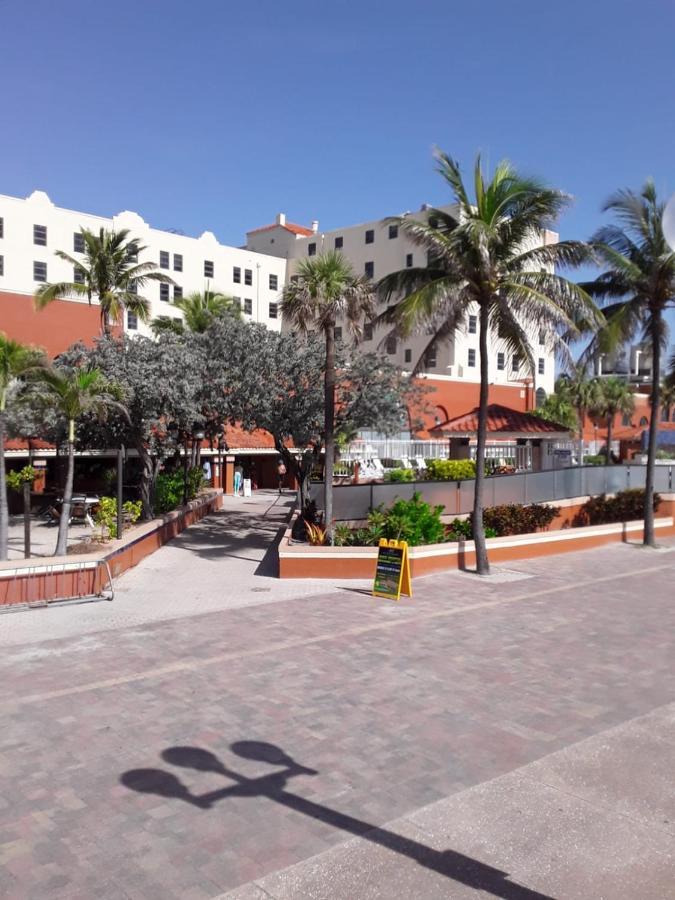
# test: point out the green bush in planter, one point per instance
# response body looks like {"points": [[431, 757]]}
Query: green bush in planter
{"points": [[514, 518], [401, 475], [451, 469], [623, 507]]}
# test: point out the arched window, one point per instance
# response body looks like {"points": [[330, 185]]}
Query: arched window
{"points": [[665, 414], [540, 397], [644, 422], [626, 420], [440, 415]]}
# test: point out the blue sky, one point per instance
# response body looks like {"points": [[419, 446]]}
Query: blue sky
{"points": [[216, 115]]}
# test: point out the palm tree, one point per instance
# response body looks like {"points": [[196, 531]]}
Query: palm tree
{"points": [[614, 398], [639, 277], [199, 310], [489, 259], [16, 361], [558, 407], [326, 289], [667, 400], [110, 272], [583, 394], [74, 394]]}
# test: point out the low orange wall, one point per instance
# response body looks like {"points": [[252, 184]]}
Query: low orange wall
{"points": [[301, 561], [87, 575]]}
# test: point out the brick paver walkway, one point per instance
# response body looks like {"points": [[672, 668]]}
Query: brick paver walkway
{"points": [[184, 757]]}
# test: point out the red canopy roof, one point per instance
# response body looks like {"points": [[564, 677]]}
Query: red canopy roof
{"points": [[501, 420], [289, 226]]}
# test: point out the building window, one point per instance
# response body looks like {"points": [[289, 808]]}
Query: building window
{"points": [[164, 292], [236, 275], [248, 306], [644, 422], [2, 227], [408, 355], [132, 253], [500, 361], [248, 277], [391, 346], [338, 333], [370, 236], [274, 282], [430, 358], [369, 269], [132, 287], [625, 421], [273, 310], [132, 321], [177, 262], [542, 338], [40, 235], [339, 242], [208, 268], [78, 275], [78, 242], [2, 265], [177, 292], [473, 323], [368, 332], [311, 249], [541, 365], [163, 259], [409, 261], [39, 271], [236, 303], [540, 397], [393, 232], [472, 358], [515, 364]]}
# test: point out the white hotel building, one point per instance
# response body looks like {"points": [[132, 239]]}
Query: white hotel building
{"points": [[32, 229]]}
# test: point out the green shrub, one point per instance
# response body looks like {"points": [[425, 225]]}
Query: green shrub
{"points": [[412, 520], [451, 469], [195, 481], [401, 475], [169, 488], [16, 478], [343, 535], [623, 507], [105, 513], [599, 459]]}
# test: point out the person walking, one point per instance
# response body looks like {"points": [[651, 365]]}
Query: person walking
{"points": [[281, 473]]}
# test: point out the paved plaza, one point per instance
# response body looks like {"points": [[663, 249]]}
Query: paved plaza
{"points": [[214, 732]]}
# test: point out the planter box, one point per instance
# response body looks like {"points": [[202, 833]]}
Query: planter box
{"points": [[302, 561]]}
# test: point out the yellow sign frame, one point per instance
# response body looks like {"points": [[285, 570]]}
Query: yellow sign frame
{"points": [[403, 584]]}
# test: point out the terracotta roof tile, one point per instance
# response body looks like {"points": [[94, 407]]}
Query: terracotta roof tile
{"points": [[289, 226], [501, 419]]}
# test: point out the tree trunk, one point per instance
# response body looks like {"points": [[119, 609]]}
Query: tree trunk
{"points": [[4, 506], [62, 539], [610, 425], [329, 421], [26, 519], [649, 538], [147, 483], [482, 563], [581, 413]]}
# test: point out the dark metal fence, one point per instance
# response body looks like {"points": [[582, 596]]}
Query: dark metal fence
{"points": [[456, 497]]}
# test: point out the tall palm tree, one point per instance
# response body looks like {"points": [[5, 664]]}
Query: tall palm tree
{"points": [[199, 310], [614, 397], [667, 398], [109, 272], [327, 290], [74, 394], [583, 393], [16, 361], [639, 278], [489, 259]]}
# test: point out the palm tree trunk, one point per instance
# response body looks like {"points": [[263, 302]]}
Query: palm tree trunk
{"points": [[582, 418], [147, 482], [610, 425], [649, 538], [4, 506], [482, 563], [329, 430], [62, 539]]}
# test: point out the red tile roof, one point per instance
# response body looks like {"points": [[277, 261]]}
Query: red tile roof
{"points": [[289, 226], [238, 439], [501, 420]]}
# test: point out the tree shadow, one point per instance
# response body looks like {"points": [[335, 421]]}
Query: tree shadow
{"points": [[449, 863]]}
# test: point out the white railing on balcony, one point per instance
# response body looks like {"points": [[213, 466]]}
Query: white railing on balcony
{"points": [[395, 449]]}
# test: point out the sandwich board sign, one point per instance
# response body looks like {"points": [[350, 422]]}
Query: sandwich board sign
{"points": [[392, 570]]}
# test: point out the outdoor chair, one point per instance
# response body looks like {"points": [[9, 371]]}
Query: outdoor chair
{"points": [[420, 464]]}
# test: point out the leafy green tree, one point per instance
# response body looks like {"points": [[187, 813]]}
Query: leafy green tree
{"points": [[558, 407], [614, 397], [109, 272], [16, 362], [327, 291], [200, 310], [75, 394], [638, 286], [488, 259]]}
